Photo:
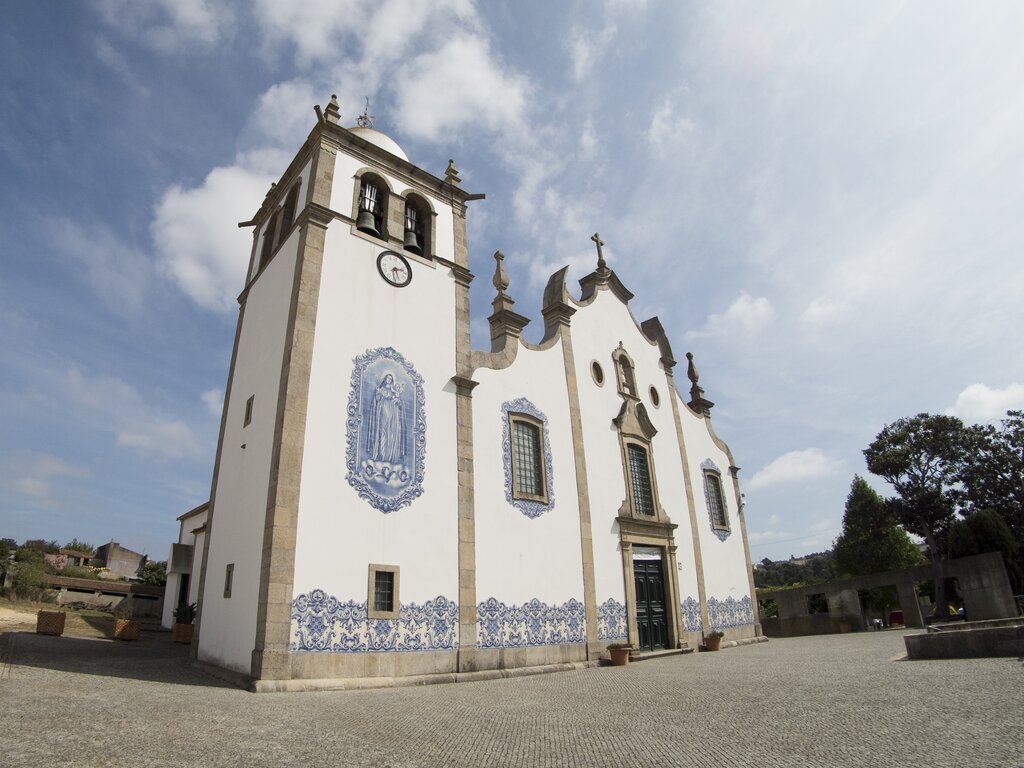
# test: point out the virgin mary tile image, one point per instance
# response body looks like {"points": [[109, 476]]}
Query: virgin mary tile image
{"points": [[386, 429]]}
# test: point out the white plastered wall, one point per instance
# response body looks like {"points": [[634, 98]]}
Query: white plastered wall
{"points": [[228, 631], [338, 533], [725, 563], [519, 558], [597, 330]]}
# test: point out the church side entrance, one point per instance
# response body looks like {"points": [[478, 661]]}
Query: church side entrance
{"points": [[651, 622]]}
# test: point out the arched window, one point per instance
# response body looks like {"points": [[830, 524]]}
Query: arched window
{"points": [[372, 217], [416, 238], [288, 211]]}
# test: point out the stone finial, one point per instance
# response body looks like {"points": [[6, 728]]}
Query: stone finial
{"points": [[602, 265], [698, 402], [500, 281], [451, 174], [506, 324], [333, 112]]}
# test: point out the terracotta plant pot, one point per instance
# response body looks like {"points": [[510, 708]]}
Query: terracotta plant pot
{"points": [[712, 643], [126, 629], [50, 623], [620, 656], [182, 633]]}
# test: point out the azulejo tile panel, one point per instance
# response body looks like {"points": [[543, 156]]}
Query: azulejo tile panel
{"points": [[721, 534], [730, 612], [611, 620], [387, 430], [690, 611], [529, 624], [532, 509], [323, 623]]}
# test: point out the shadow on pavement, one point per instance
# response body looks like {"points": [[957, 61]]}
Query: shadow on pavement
{"points": [[152, 658]]}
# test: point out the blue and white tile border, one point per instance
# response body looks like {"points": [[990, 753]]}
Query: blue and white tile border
{"points": [[730, 612], [322, 623], [532, 509], [374, 490], [689, 609], [530, 624], [611, 620], [708, 464]]}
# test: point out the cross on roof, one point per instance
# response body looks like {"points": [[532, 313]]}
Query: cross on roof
{"points": [[601, 264]]}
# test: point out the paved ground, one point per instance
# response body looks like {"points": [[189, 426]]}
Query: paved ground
{"points": [[827, 701]]}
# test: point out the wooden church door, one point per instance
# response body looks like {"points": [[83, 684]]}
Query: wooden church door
{"points": [[650, 604]]}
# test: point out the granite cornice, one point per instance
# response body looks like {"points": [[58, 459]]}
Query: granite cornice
{"points": [[404, 170]]}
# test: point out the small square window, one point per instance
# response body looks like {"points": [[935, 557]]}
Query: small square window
{"points": [[248, 411], [382, 599], [229, 573]]}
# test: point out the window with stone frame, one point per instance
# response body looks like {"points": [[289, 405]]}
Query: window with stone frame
{"points": [[528, 480], [382, 600], [640, 486], [716, 500]]}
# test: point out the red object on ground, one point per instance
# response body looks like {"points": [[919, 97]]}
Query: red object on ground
{"points": [[895, 617]]}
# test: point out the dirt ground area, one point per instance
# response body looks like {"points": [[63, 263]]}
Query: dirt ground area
{"points": [[21, 616]]}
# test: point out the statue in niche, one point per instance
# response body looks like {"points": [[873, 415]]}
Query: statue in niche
{"points": [[385, 432]]}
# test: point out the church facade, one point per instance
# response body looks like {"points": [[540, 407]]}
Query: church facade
{"points": [[388, 501]]}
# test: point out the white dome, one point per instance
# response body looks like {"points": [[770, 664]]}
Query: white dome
{"points": [[378, 139]]}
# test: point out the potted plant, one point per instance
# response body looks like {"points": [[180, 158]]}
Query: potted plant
{"points": [[125, 627], [184, 618], [619, 653], [50, 623], [713, 640]]}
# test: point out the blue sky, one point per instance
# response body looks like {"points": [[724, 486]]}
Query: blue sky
{"points": [[822, 201]]}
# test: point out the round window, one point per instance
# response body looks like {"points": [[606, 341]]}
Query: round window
{"points": [[655, 397], [597, 372]]}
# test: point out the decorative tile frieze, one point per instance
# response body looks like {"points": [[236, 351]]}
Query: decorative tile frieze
{"points": [[611, 620], [690, 611], [387, 431], [322, 623], [730, 612], [529, 624], [532, 509]]}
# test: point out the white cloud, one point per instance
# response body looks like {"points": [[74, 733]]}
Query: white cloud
{"points": [[33, 474], [795, 466], [458, 86], [745, 316], [214, 400], [118, 274], [978, 403], [284, 113], [669, 133], [197, 237], [117, 406], [168, 25]]}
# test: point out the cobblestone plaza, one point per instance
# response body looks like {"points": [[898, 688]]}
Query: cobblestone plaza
{"points": [[840, 700]]}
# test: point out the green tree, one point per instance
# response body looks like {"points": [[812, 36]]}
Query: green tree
{"points": [[41, 545], [871, 541], [986, 531], [921, 457], [79, 546], [992, 475], [154, 572]]}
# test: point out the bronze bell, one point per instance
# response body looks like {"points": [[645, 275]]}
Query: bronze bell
{"points": [[367, 223], [412, 242]]}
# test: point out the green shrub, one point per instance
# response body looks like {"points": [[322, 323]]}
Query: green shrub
{"points": [[29, 582]]}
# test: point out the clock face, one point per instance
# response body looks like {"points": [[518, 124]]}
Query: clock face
{"points": [[394, 268]]}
